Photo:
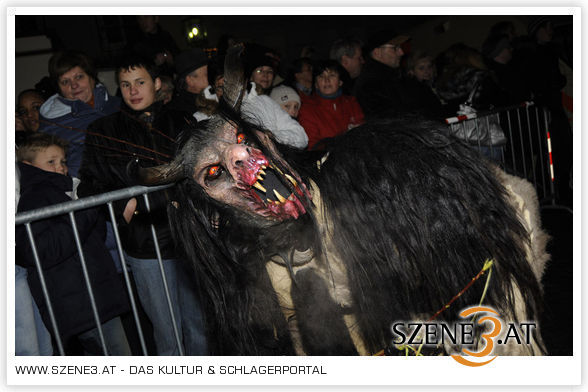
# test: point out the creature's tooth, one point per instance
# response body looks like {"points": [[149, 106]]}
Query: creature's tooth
{"points": [[280, 197], [258, 186], [261, 172], [260, 178], [292, 180], [264, 167]]}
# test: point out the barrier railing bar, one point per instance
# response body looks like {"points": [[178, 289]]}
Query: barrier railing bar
{"points": [[522, 145], [86, 202], [551, 168], [489, 136], [74, 227], [165, 286], [478, 133], [532, 149], [127, 280], [512, 151], [470, 116], [541, 161], [44, 289]]}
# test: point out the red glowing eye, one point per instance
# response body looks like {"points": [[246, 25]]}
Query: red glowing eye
{"points": [[241, 138], [213, 172]]}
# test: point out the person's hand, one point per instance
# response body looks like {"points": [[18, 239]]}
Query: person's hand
{"points": [[130, 210]]}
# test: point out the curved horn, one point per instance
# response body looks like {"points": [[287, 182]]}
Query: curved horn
{"points": [[156, 175], [235, 81]]}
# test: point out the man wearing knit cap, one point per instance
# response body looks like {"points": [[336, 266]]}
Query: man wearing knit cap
{"points": [[287, 98], [191, 80], [378, 87]]}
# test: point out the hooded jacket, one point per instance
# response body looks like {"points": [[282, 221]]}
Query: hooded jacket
{"points": [[68, 119], [57, 250], [104, 169], [265, 112]]}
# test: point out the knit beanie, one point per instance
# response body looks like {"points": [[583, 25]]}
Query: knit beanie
{"points": [[189, 61], [284, 94]]}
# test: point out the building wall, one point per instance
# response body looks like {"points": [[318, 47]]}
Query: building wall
{"points": [[470, 30]]}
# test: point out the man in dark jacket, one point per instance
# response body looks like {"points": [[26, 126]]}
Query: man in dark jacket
{"points": [[155, 44], [379, 86], [191, 81], [144, 129], [43, 182]]}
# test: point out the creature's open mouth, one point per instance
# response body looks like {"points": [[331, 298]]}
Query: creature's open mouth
{"points": [[275, 195]]}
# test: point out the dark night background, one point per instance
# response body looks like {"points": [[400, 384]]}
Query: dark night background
{"points": [[105, 37]]}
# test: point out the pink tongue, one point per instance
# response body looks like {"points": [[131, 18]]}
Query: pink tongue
{"points": [[290, 209]]}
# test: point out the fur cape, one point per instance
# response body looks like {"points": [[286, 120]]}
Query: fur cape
{"points": [[402, 218]]}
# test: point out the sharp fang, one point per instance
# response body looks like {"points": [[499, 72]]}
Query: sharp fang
{"points": [[280, 197], [264, 167], [260, 178], [258, 186], [262, 172], [292, 180]]}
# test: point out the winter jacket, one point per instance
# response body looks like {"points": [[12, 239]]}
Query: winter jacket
{"points": [[456, 83], [324, 118], [183, 102], [57, 250], [382, 92], [378, 89], [511, 81], [104, 169], [59, 115], [263, 111]]}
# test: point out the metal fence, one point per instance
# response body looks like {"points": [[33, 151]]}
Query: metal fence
{"points": [[28, 217], [518, 139]]}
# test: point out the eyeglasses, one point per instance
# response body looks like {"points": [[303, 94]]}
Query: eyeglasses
{"points": [[264, 71], [393, 47]]}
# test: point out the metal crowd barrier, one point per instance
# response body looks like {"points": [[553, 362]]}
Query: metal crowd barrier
{"points": [[28, 217], [525, 149]]}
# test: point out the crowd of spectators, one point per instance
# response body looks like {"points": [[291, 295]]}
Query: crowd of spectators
{"points": [[89, 133]]}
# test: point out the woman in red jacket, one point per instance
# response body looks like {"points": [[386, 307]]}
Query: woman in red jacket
{"points": [[328, 113]]}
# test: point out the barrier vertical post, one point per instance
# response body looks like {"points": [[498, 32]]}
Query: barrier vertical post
{"points": [[87, 280], [56, 334], [127, 279], [165, 286]]}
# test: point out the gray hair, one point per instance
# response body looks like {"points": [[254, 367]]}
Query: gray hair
{"points": [[344, 47]]}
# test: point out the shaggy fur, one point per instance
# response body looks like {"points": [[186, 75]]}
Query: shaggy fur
{"points": [[404, 217]]}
